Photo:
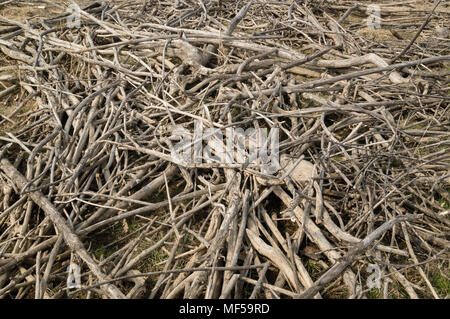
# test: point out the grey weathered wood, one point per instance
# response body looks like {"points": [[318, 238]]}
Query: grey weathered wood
{"points": [[70, 238]]}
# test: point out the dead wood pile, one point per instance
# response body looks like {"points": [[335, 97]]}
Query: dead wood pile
{"points": [[88, 178]]}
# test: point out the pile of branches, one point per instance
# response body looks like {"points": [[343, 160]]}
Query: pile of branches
{"points": [[87, 161]]}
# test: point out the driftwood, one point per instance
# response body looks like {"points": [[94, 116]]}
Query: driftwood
{"points": [[88, 176]]}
